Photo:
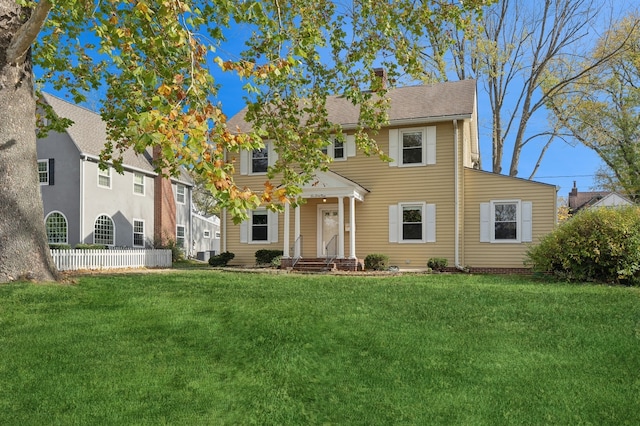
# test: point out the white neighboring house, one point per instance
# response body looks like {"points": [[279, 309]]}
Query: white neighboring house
{"points": [[138, 209]]}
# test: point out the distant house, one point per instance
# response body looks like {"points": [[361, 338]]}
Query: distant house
{"points": [[584, 200], [431, 200], [138, 209]]}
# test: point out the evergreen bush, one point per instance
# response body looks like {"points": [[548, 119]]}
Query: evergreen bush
{"points": [[376, 262], [265, 257], [221, 259], [600, 245]]}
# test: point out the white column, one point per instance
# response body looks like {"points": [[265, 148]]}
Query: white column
{"points": [[287, 247], [340, 227], [296, 231], [352, 223]]}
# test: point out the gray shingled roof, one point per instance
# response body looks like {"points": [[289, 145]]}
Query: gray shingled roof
{"points": [[89, 132], [429, 102]]}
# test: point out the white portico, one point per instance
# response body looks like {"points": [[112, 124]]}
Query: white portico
{"points": [[332, 226]]}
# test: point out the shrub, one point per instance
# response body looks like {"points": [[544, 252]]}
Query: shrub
{"points": [[437, 263], [91, 247], [221, 259], [57, 246], [265, 257], [376, 262], [601, 245], [276, 262], [177, 254]]}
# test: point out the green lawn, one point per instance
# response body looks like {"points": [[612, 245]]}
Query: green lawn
{"points": [[212, 347]]}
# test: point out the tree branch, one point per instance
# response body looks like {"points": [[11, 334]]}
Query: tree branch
{"points": [[28, 32]]}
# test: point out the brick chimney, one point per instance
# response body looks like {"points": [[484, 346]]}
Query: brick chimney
{"points": [[381, 74], [164, 216]]}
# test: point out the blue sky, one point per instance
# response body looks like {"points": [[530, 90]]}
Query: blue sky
{"points": [[561, 166]]}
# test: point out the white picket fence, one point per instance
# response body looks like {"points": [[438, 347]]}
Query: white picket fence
{"points": [[73, 260]]}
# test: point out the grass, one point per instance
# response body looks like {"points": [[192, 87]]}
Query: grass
{"points": [[212, 347]]}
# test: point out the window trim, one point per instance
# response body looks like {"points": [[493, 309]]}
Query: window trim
{"points": [[261, 212], [246, 228], [206, 233], [113, 232], [429, 229], [330, 150], [518, 221], [184, 236], [422, 206], [137, 185], [134, 232], [181, 194], [66, 224], [107, 174], [46, 163], [251, 153], [423, 146]]}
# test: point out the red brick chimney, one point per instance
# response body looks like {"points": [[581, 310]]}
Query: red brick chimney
{"points": [[381, 74], [164, 217]]}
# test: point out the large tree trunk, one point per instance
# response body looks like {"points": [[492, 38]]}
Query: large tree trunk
{"points": [[24, 252]]}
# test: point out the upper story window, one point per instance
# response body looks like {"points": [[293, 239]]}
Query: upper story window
{"points": [[506, 221], [56, 225], [412, 146], [260, 160], [138, 183], [413, 149], [335, 150], [104, 177], [206, 233], [180, 193]]}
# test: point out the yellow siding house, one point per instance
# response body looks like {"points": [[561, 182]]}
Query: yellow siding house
{"points": [[430, 201]]}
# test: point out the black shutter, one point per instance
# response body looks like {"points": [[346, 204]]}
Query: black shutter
{"points": [[51, 170]]}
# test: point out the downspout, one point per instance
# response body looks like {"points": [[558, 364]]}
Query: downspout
{"points": [[191, 236], [456, 226], [223, 238]]}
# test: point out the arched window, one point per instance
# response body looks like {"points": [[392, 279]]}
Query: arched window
{"points": [[103, 230], [56, 225]]}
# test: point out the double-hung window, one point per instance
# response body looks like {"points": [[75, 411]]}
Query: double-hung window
{"points": [[260, 159], [180, 236], [104, 177], [413, 150], [412, 222], [138, 183], [506, 221], [335, 150], [261, 227], [412, 146], [43, 172], [138, 233], [180, 194]]}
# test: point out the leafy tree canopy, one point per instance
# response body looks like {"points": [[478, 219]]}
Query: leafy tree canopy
{"points": [[154, 59], [601, 108]]}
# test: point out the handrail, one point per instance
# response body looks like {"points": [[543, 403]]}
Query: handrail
{"points": [[297, 251], [332, 249]]}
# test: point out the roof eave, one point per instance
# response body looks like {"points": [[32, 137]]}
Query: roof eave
{"points": [[416, 120]]}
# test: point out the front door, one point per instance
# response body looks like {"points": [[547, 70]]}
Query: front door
{"points": [[328, 226]]}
